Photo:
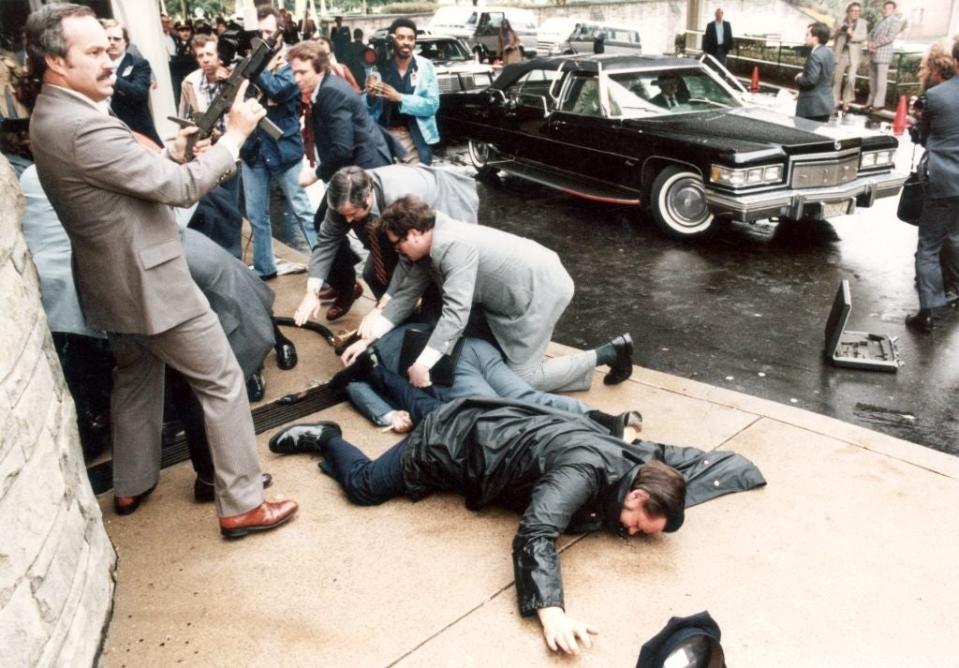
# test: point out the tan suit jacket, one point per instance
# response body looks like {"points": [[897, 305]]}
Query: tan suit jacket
{"points": [[113, 197]]}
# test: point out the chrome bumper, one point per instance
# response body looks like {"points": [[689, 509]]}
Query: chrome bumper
{"points": [[805, 203]]}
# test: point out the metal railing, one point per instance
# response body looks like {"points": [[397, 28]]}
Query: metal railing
{"points": [[779, 61]]}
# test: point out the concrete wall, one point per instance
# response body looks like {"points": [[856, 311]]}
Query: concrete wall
{"points": [[56, 562]]}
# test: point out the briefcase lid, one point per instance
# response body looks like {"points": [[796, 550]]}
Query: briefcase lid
{"points": [[838, 316]]}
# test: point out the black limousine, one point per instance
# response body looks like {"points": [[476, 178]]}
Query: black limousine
{"points": [[669, 135]]}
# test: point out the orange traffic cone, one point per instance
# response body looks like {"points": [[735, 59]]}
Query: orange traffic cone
{"points": [[899, 122], [754, 82]]}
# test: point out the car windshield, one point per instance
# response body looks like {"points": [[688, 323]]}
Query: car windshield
{"points": [[642, 94], [443, 50]]}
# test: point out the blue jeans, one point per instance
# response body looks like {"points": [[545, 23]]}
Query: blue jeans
{"points": [[366, 482], [938, 226], [256, 189]]}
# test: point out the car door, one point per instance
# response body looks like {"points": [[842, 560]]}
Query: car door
{"points": [[487, 32], [583, 137]]}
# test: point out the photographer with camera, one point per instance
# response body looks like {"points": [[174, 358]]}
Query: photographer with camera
{"points": [[938, 131], [848, 41]]}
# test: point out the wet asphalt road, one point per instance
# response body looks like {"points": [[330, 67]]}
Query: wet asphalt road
{"points": [[746, 309]]}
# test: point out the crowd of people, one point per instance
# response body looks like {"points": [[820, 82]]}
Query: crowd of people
{"points": [[828, 79], [453, 355], [174, 309]]}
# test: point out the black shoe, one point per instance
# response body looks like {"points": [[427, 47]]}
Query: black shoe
{"points": [[304, 438], [920, 321], [286, 357], [268, 277], [255, 387], [127, 505], [622, 368], [203, 490], [616, 424], [358, 370]]}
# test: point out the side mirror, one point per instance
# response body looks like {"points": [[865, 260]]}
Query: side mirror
{"points": [[496, 96]]}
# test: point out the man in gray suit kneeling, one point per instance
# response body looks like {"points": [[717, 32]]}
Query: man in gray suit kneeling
{"points": [[114, 197], [521, 287]]}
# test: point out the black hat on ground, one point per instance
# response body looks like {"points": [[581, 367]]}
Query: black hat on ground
{"points": [[685, 642]]}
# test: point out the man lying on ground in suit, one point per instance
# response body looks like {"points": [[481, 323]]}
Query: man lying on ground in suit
{"points": [[521, 287], [113, 197], [479, 370]]}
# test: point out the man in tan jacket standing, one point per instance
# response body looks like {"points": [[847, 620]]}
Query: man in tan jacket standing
{"points": [[113, 197], [848, 42]]}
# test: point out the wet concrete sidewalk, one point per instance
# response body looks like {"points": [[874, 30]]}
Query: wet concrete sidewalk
{"points": [[843, 559]]}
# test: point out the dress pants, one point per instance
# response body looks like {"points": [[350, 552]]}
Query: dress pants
{"points": [[849, 58], [481, 371], [878, 73], [938, 227], [199, 350], [366, 482], [558, 374]]}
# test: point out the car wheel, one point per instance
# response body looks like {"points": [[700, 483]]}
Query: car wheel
{"points": [[481, 154], [678, 204]]}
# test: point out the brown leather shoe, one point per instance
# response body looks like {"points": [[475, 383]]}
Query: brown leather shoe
{"points": [[343, 304], [203, 491], [268, 515], [327, 294], [127, 505]]}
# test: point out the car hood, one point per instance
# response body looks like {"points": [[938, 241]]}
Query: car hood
{"points": [[747, 131], [449, 66]]}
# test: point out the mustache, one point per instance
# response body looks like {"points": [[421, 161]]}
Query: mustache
{"points": [[105, 76]]}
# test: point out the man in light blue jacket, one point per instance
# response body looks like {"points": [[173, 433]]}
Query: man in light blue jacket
{"points": [[405, 99]]}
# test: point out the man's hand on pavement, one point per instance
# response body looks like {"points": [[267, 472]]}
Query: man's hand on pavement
{"points": [[401, 422], [562, 631]]}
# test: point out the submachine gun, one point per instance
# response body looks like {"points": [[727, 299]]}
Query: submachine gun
{"points": [[261, 53]]}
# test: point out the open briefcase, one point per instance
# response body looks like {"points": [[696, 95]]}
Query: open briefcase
{"points": [[857, 350]]}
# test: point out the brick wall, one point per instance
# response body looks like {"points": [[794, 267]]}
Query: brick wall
{"points": [[56, 561]]}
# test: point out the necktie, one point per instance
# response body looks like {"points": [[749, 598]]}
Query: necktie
{"points": [[309, 146], [377, 253]]}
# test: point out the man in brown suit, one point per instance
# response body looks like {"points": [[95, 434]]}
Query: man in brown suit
{"points": [[113, 197]]}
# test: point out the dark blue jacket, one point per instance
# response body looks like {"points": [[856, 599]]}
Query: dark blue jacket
{"points": [[343, 131], [131, 96], [283, 108]]}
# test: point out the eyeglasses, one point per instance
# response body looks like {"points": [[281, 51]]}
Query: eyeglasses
{"points": [[115, 39], [396, 244]]}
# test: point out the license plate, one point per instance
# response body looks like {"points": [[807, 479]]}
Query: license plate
{"points": [[833, 209]]}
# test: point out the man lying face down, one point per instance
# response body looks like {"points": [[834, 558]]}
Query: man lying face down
{"points": [[561, 472]]}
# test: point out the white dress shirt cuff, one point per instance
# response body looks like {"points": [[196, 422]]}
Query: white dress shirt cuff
{"points": [[381, 326], [314, 285], [429, 357]]}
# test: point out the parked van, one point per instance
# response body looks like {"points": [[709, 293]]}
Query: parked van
{"points": [[479, 27], [580, 37]]}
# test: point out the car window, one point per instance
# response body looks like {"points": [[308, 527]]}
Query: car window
{"points": [[582, 96], [446, 49], [532, 86], [639, 94], [492, 19]]}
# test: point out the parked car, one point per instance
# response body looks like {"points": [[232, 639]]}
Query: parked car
{"points": [[479, 27], [668, 135], [560, 35], [456, 67]]}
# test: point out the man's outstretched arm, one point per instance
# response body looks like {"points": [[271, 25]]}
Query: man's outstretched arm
{"points": [[555, 499]]}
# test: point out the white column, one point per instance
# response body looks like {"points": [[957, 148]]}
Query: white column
{"points": [[142, 20]]}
